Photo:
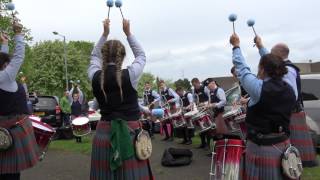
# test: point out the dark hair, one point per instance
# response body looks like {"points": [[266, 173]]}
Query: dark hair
{"points": [[233, 69], [179, 89], [147, 82], [273, 66], [4, 58], [195, 80]]}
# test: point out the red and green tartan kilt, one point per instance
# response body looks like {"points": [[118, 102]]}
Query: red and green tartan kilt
{"points": [[132, 169], [24, 153], [301, 138], [263, 162]]}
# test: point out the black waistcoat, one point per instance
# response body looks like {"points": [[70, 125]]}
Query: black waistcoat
{"points": [[272, 113], [165, 95], [13, 103], [299, 103], [215, 99], [201, 94], [185, 100], [148, 98], [112, 107], [76, 108]]}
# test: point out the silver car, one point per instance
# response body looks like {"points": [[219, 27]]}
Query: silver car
{"points": [[310, 85]]}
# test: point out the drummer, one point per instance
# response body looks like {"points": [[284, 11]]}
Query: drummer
{"points": [[217, 101], [187, 105], [23, 153], [113, 154], [170, 97], [200, 92], [151, 99], [299, 135], [268, 116]]}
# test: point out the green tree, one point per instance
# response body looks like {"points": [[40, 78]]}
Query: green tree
{"points": [[185, 84], [146, 77], [47, 64]]}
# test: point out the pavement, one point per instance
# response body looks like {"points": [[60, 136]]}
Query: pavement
{"points": [[59, 165]]}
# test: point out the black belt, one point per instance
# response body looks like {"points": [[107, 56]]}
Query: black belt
{"points": [[267, 139]]}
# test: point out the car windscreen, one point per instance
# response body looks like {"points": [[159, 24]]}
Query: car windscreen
{"points": [[47, 102], [310, 89]]}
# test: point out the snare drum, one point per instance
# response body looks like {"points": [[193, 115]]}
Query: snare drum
{"points": [[203, 120], [80, 126], [226, 158], [229, 117], [43, 134]]}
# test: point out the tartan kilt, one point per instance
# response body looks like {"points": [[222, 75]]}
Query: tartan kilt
{"points": [[24, 153], [132, 169], [263, 162], [300, 137]]}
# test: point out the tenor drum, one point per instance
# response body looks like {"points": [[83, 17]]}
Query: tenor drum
{"points": [[80, 126], [226, 158], [43, 134]]}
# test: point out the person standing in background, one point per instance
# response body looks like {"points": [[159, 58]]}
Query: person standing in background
{"points": [[65, 109]]}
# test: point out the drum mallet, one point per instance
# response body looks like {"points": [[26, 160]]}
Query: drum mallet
{"points": [[11, 7], [251, 23], [233, 18], [118, 4], [110, 5]]}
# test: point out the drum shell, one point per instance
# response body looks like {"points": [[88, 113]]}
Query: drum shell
{"points": [[80, 129]]}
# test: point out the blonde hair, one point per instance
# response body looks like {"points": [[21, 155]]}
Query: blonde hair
{"points": [[112, 51]]}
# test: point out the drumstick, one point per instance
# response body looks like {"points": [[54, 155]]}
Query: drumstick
{"points": [[118, 4], [251, 23], [110, 5]]}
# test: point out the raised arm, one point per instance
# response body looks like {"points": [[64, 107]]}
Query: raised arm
{"points": [[249, 81], [137, 66], [10, 72], [262, 50], [4, 43], [81, 96], [95, 61]]}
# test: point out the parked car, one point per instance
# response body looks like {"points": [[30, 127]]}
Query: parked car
{"points": [[48, 110], [310, 85]]}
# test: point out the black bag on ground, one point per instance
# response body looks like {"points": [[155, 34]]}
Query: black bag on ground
{"points": [[176, 157]]}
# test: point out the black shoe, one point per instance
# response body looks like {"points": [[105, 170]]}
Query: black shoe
{"points": [[188, 142], [165, 139]]}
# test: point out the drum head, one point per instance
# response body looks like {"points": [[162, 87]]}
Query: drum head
{"points": [[191, 113], [36, 118], [42, 126], [80, 121], [230, 113]]}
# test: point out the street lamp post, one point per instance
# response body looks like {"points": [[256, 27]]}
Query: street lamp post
{"points": [[64, 56]]}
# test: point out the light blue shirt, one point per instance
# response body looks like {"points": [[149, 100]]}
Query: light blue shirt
{"points": [[250, 82], [290, 77], [176, 97], [156, 96], [9, 74]]}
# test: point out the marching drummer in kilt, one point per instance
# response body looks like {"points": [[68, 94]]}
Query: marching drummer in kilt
{"points": [[170, 99], [300, 135], [23, 152], [268, 115], [113, 155], [187, 105]]}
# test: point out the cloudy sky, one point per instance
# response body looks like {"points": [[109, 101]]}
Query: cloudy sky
{"points": [[183, 38]]}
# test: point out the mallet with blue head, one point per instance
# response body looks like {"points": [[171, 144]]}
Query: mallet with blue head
{"points": [[110, 5], [118, 4], [251, 23], [233, 18]]}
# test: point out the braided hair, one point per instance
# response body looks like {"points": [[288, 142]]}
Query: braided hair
{"points": [[113, 51]]}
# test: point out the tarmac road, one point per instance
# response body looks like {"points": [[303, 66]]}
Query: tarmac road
{"points": [[69, 166]]}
